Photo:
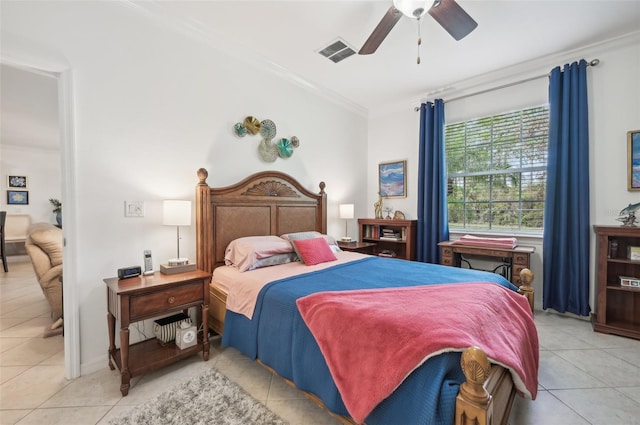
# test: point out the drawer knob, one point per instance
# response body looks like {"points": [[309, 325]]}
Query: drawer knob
{"points": [[171, 300]]}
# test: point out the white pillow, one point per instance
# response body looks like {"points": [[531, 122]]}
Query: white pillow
{"points": [[244, 252]]}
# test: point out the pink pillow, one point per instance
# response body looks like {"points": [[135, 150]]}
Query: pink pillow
{"points": [[314, 251]]}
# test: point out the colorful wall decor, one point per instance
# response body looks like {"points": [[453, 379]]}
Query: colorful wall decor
{"points": [[268, 150]]}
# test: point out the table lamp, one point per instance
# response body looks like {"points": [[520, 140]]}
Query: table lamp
{"points": [[176, 213], [346, 213]]}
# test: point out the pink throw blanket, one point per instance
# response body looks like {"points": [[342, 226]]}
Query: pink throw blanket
{"points": [[373, 339], [508, 243]]}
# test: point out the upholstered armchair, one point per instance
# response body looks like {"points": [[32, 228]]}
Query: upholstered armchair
{"points": [[44, 246]]}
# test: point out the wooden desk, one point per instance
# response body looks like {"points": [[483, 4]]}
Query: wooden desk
{"points": [[144, 297], [514, 260]]}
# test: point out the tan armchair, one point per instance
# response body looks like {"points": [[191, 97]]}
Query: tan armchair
{"points": [[44, 246]]}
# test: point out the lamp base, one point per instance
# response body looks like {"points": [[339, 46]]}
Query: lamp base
{"points": [[345, 239], [177, 261], [173, 269]]}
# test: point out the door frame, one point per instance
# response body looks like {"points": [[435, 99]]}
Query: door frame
{"points": [[64, 75]]}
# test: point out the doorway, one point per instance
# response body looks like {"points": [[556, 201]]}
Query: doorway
{"points": [[37, 141]]}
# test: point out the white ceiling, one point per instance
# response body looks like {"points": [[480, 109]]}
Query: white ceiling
{"points": [[289, 34]]}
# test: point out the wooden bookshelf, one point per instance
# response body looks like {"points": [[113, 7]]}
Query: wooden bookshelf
{"points": [[395, 238], [617, 306]]}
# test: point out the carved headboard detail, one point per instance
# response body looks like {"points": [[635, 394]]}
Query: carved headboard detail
{"points": [[266, 203], [271, 188]]}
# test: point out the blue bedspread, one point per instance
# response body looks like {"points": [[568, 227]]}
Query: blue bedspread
{"points": [[278, 336]]}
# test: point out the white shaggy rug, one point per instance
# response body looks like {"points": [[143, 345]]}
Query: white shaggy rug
{"points": [[209, 398]]}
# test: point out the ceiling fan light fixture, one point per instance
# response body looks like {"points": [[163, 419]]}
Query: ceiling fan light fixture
{"points": [[412, 8]]}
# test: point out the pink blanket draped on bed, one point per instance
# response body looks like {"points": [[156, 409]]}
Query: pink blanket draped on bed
{"points": [[373, 339]]}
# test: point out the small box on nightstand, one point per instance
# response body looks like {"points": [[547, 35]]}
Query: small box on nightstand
{"points": [[168, 269]]}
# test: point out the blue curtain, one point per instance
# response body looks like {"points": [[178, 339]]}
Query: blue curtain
{"points": [[566, 211], [433, 225]]}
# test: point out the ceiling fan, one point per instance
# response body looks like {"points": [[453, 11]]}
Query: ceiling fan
{"points": [[447, 13]]}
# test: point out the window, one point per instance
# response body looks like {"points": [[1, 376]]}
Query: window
{"points": [[497, 170]]}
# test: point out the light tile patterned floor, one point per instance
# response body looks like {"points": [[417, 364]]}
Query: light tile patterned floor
{"points": [[585, 377]]}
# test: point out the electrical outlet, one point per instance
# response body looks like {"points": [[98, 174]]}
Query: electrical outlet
{"points": [[134, 208]]}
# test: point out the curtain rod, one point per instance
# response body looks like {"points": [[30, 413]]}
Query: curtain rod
{"points": [[594, 62]]}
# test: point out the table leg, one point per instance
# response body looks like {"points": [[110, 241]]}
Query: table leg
{"points": [[124, 359], [111, 325]]}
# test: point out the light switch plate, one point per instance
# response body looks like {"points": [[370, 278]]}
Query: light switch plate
{"points": [[134, 208]]}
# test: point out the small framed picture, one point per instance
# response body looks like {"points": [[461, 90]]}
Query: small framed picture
{"points": [[17, 197], [633, 160], [392, 179], [18, 182]]}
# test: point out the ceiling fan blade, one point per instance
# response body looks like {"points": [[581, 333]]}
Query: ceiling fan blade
{"points": [[453, 18], [381, 31]]}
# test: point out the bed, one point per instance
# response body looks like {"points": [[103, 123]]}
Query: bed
{"points": [[473, 390]]}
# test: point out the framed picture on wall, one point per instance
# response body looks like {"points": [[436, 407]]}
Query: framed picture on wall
{"points": [[17, 197], [633, 160], [18, 182], [392, 179]]}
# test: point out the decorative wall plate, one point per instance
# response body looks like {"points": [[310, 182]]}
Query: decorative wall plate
{"points": [[267, 151], [239, 129], [252, 125], [285, 150], [295, 141], [268, 129]]}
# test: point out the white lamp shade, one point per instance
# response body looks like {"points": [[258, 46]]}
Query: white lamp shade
{"points": [[346, 211], [176, 213], [412, 8]]}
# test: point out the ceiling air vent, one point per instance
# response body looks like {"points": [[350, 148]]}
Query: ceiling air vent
{"points": [[337, 51]]}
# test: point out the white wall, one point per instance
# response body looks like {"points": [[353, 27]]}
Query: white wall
{"points": [[42, 168], [151, 107], [614, 109]]}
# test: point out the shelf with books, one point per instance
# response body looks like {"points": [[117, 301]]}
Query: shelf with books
{"points": [[393, 238], [617, 274]]}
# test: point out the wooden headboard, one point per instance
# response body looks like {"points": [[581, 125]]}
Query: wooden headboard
{"points": [[266, 203]]}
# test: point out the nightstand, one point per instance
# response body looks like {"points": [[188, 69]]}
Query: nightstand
{"points": [[361, 247], [145, 297]]}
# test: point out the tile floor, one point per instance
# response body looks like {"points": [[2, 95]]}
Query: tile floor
{"points": [[585, 377]]}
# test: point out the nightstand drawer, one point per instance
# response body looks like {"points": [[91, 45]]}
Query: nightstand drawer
{"points": [[161, 301]]}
